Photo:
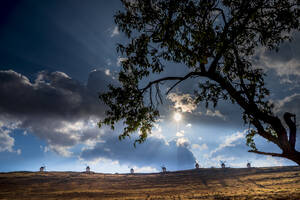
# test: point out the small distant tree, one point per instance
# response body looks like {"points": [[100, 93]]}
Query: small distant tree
{"points": [[215, 40]]}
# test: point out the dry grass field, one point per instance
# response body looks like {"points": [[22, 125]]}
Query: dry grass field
{"points": [[255, 183]]}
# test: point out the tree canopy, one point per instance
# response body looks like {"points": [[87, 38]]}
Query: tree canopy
{"points": [[214, 39]]}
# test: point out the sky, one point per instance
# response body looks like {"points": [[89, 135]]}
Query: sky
{"points": [[57, 56]]}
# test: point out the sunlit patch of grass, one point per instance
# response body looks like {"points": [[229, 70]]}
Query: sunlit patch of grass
{"points": [[256, 183]]}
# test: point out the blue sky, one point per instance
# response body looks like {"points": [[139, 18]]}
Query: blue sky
{"points": [[55, 56]]}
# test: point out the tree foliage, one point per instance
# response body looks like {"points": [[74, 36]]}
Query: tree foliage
{"points": [[214, 39]]}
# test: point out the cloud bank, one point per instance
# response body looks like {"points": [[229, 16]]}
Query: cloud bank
{"points": [[64, 113], [155, 152], [54, 107]]}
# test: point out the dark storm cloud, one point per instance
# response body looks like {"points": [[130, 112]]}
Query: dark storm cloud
{"points": [[52, 95], [53, 106], [154, 152]]}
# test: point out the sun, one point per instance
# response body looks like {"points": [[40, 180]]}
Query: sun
{"points": [[177, 117]]}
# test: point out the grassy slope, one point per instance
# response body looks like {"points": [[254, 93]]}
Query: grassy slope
{"points": [[254, 183]]}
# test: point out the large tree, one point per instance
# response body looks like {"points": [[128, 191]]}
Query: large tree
{"points": [[215, 40]]}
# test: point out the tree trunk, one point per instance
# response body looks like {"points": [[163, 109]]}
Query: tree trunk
{"points": [[295, 156], [287, 145]]}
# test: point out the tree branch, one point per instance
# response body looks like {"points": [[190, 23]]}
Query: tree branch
{"points": [[179, 78], [158, 81], [253, 110], [240, 76], [171, 88], [213, 66], [292, 126], [267, 153], [222, 13], [261, 131]]}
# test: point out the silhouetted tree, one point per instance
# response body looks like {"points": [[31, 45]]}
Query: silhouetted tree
{"points": [[215, 40]]}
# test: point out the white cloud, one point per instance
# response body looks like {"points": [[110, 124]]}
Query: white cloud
{"points": [[183, 142], [6, 141], [8, 123], [282, 68], [200, 147], [19, 151], [184, 102], [145, 169], [269, 162], [157, 132], [289, 103], [115, 32], [229, 141], [285, 62], [90, 143], [188, 125], [180, 133], [107, 72], [105, 165], [61, 150], [120, 60], [265, 161], [215, 113], [44, 149], [70, 127]]}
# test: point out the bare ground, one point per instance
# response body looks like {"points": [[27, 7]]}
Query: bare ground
{"points": [[255, 183]]}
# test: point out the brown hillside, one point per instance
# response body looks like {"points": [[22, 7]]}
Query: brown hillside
{"points": [[255, 183]]}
